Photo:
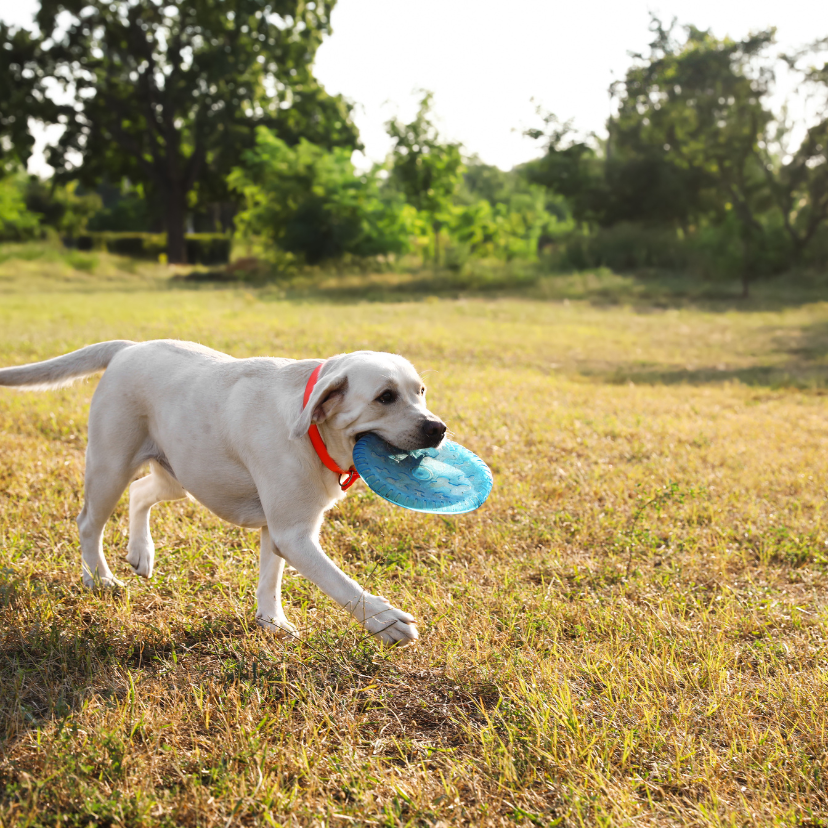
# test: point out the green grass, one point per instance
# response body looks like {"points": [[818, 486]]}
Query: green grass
{"points": [[632, 631]]}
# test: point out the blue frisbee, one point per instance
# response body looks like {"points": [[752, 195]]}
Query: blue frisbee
{"points": [[448, 480]]}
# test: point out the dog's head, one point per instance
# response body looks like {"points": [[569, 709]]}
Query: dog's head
{"points": [[371, 391]]}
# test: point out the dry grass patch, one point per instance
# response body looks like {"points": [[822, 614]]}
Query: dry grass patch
{"points": [[631, 632]]}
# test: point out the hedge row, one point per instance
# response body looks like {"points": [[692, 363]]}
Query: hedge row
{"points": [[202, 248]]}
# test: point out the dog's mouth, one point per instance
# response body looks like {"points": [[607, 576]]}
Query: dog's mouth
{"points": [[362, 434]]}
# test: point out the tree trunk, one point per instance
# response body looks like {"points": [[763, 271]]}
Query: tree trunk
{"points": [[176, 216], [746, 267], [436, 227]]}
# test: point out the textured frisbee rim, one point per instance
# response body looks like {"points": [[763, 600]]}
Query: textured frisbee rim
{"points": [[380, 487]]}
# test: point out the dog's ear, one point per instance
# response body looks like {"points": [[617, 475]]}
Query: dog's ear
{"points": [[327, 396]]}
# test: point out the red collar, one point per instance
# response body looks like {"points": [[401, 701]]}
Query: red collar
{"points": [[351, 474]]}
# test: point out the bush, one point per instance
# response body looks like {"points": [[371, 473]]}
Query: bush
{"points": [[82, 261], [623, 247], [208, 248], [712, 252], [63, 207], [135, 245], [312, 203], [17, 222], [129, 214], [202, 248]]}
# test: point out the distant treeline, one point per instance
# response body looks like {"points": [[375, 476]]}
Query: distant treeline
{"points": [[205, 116]]}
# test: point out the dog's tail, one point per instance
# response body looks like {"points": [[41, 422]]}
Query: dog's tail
{"points": [[63, 370]]}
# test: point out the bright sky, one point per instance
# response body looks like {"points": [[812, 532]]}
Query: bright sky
{"points": [[486, 61]]}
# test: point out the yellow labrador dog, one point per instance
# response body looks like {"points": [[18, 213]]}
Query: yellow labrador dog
{"points": [[233, 433]]}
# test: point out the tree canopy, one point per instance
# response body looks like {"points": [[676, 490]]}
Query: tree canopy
{"points": [[169, 93], [22, 95], [424, 168], [311, 202], [694, 143]]}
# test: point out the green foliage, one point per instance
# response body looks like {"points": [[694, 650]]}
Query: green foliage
{"points": [[487, 182], [424, 169], [505, 231], [195, 104], [694, 113], [147, 246], [800, 186], [713, 252], [202, 248], [169, 94], [311, 202], [21, 95], [695, 149], [132, 213], [208, 248], [62, 207], [622, 248], [505, 214], [570, 169], [17, 222]]}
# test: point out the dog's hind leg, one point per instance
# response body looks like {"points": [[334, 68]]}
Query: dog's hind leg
{"points": [[116, 435], [105, 482], [269, 612], [157, 487]]}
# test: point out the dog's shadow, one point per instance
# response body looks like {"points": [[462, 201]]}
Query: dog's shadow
{"points": [[58, 656], [59, 653]]}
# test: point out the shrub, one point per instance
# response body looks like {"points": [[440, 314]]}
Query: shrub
{"points": [[63, 207], [17, 222], [202, 248], [129, 214], [82, 261], [208, 248], [311, 202], [712, 252]]}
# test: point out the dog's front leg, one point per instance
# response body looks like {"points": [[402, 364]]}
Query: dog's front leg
{"points": [[303, 552], [269, 612]]}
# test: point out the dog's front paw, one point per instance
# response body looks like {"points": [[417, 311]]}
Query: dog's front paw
{"points": [[280, 627], [389, 624], [141, 557]]}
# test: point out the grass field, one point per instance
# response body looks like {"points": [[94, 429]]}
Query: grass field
{"points": [[632, 631]]}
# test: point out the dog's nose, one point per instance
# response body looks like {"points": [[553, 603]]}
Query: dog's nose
{"points": [[434, 431]]}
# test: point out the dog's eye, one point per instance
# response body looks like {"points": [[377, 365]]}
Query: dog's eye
{"points": [[422, 391], [387, 397]]}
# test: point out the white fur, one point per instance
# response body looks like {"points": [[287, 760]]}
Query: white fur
{"points": [[233, 434]]}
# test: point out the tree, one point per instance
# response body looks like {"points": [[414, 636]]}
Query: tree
{"points": [[684, 147], [310, 201], [21, 96], [571, 168], [169, 93], [800, 184], [426, 170], [697, 106]]}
